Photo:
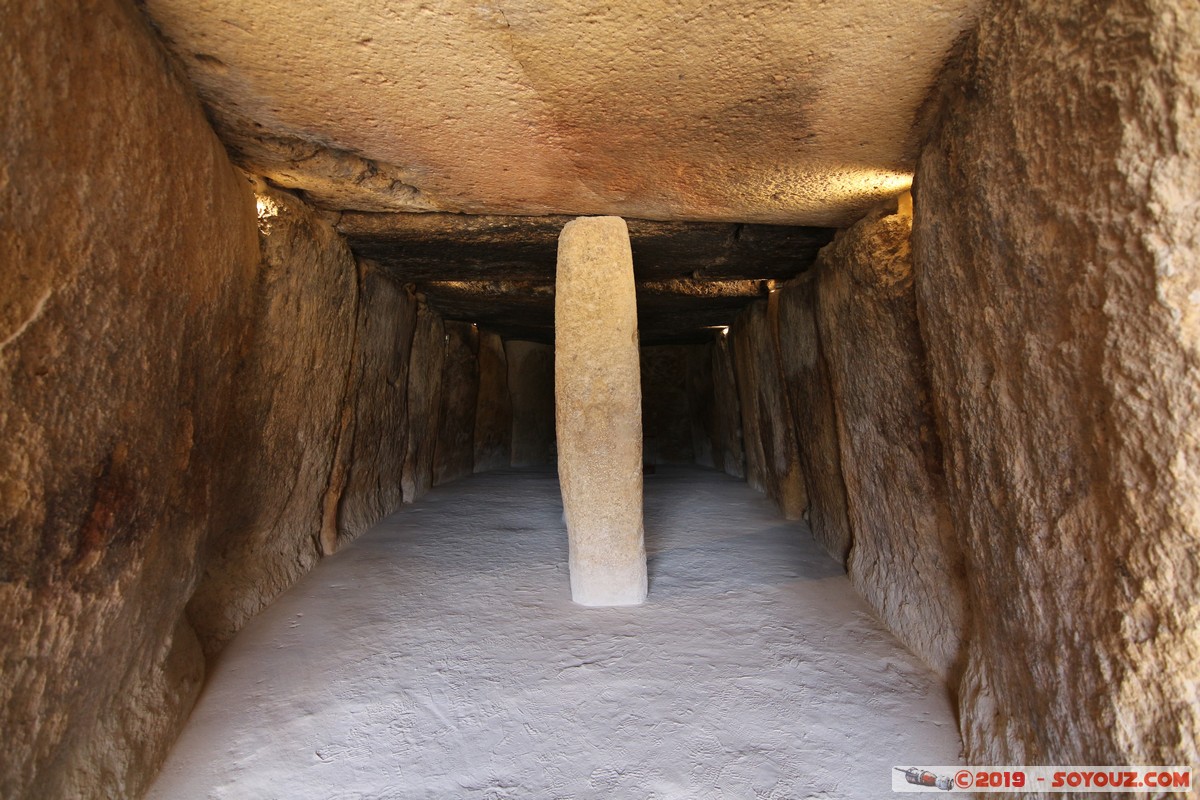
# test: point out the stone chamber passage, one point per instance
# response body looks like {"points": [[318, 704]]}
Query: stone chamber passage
{"points": [[914, 334]]}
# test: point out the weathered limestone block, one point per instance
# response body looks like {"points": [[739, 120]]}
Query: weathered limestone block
{"points": [[666, 413], [455, 453], [905, 560], [728, 447], [810, 395], [702, 406], [128, 256], [1056, 245], [291, 385], [424, 402], [598, 412], [772, 459], [493, 410], [531, 387], [377, 407]]}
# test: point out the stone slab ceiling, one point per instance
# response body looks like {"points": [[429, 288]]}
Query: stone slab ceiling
{"points": [[769, 111], [733, 113]]}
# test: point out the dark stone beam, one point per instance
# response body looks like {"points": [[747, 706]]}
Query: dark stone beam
{"points": [[499, 271], [429, 247], [497, 305]]}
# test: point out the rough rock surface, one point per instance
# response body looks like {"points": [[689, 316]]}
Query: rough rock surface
{"points": [[424, 402], [531, 388], [741, 349], [127, 265], [810, 395], [291, 384], [702, 405], [905, 559], [728, 450], [666, 405], [754, 110], [493, 410], [1056, 253], [598, 412], [772, 458], [455, 453], [377, 409]]}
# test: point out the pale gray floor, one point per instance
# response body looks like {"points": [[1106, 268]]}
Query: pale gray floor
{"points": [[439, 656]]}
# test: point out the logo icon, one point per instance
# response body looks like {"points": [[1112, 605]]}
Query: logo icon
{"points": [[923, 777]]}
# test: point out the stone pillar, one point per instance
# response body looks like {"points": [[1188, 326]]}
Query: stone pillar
{"points": [[598, 405]]}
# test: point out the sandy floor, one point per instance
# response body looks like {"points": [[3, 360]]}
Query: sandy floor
{"points": [[439, 656]]}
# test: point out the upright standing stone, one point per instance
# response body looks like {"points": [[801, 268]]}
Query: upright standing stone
{"points": [[598, 404], [454, 454], [493, 407], [728, 446], [427, 356], [531, 391]]}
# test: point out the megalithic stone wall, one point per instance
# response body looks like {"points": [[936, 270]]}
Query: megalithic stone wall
{"points": [[454, 456], [494, 409], [806, 377], [702, 406], [299, 371], [424, 402], [846, 408], [666, 405], [1057, 255], [375, 442], [531, 390], [905, 558], [728, 445], [772, 456], [129, 263]]}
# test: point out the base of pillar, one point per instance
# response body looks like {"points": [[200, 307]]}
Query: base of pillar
{"points": [[595, 587]]}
